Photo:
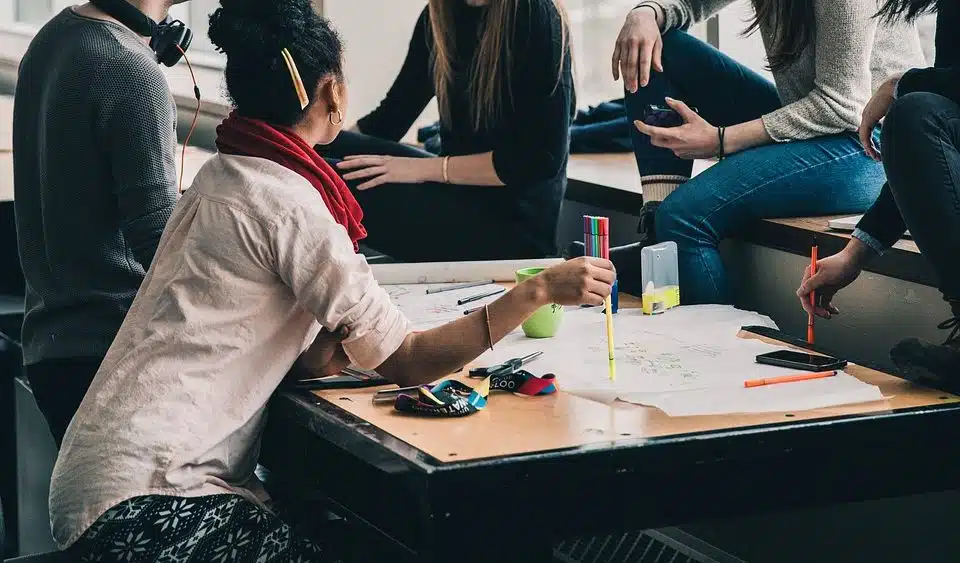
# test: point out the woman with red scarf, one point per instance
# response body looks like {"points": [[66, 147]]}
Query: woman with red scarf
{"points": [[256, 271]]}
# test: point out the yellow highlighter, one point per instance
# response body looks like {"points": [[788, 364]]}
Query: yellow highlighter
{"points": [[613, 363]]}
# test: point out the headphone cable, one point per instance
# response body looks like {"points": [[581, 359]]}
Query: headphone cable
{"points": [[196, 115]]}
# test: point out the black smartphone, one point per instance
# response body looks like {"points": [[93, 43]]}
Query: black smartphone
{"points": [[801, 360], [660, 116]]}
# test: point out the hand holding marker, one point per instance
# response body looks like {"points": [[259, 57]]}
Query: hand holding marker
{"points": [[596, 238]]}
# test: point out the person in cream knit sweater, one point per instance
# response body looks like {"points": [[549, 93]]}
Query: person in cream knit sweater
{"points": [[787, 148]]}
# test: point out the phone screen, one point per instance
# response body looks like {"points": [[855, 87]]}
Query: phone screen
{"points": [[662, 116], [658, 116], [812, 360]]}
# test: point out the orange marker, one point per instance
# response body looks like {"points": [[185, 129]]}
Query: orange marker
{"points": [[813, 294], [788, 378]]}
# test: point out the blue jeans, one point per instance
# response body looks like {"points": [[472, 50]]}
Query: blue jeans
{"points": [[822, 176]]}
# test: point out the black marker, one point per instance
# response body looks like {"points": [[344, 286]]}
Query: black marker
{"points": [[471, 299]]}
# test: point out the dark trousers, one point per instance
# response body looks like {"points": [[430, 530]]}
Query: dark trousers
{"points": [[432, 222], [921, 136], [58, 387]]}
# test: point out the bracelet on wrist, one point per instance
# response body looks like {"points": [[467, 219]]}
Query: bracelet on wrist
{"points": [[657, 9], [651, 6], [721, 132]]}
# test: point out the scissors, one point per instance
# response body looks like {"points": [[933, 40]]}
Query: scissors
{"points": [[506, 376], [506, 368]]}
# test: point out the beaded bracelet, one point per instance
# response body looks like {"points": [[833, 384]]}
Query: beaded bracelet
{"points": [[721, 131], [486, 318]]}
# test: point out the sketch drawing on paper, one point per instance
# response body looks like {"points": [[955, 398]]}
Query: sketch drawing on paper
{"points": [[645, 360]]}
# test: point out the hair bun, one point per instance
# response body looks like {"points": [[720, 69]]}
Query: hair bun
{"points": [[259, 25]]}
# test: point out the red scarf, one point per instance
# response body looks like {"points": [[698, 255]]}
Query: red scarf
{"points": [[252, 137]]}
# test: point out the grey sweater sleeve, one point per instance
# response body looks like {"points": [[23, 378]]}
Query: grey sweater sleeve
{"points": [[843, 83], [137, 128], [681, 14]]}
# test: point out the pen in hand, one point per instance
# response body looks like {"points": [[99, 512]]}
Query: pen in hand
{"points": [[813, 293]]}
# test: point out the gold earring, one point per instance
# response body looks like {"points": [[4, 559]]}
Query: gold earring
{"points": [[339, 117]]}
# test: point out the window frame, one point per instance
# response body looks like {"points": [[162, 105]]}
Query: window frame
{"points": [[208, 67], [11, 28]]}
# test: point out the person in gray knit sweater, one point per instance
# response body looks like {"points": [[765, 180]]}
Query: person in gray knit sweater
{"points": [[94, 154], [788, 148]]}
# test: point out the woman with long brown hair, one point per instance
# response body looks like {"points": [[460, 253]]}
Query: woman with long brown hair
{"points": [[787, 149], [501, 73]]}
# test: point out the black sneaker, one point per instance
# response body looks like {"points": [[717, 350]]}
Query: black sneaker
{"points": [[936, 365], [646, 227]]}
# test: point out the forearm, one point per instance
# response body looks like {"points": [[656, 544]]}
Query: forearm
{"points": [[427, 356], [469, 170], [745, 136], [859, 252]]}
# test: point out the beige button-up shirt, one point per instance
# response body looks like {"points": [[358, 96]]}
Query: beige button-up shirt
{"points": [[250, 266]]}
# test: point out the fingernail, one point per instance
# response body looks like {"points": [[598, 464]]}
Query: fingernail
{"points": [[669, 99]]}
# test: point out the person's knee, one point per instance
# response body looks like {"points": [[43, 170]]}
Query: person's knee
{"points": [[680, 48], [914, 118], [674, 223], [675, 37]]}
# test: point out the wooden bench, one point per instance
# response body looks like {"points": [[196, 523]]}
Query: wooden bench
{"points": [[610, 181]]}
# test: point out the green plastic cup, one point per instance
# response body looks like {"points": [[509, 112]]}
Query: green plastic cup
{"points": [[545, 322]]}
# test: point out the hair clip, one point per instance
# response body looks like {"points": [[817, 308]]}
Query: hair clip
{"points": [[297, 81]]}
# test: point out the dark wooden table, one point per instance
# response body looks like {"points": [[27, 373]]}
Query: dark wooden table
{"points": [[527, 472]]}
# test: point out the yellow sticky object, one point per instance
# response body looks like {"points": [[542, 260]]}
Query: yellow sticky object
{"points": [[658, 300]]}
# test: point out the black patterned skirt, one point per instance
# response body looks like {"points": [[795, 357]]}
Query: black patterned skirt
{"points": [[215, 529]]}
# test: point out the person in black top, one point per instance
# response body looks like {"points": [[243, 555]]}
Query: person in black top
{"points": [[501, 73], [921, 156]]}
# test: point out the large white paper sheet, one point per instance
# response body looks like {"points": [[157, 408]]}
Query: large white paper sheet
{"points": [[842, 389], [687, 361]]}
